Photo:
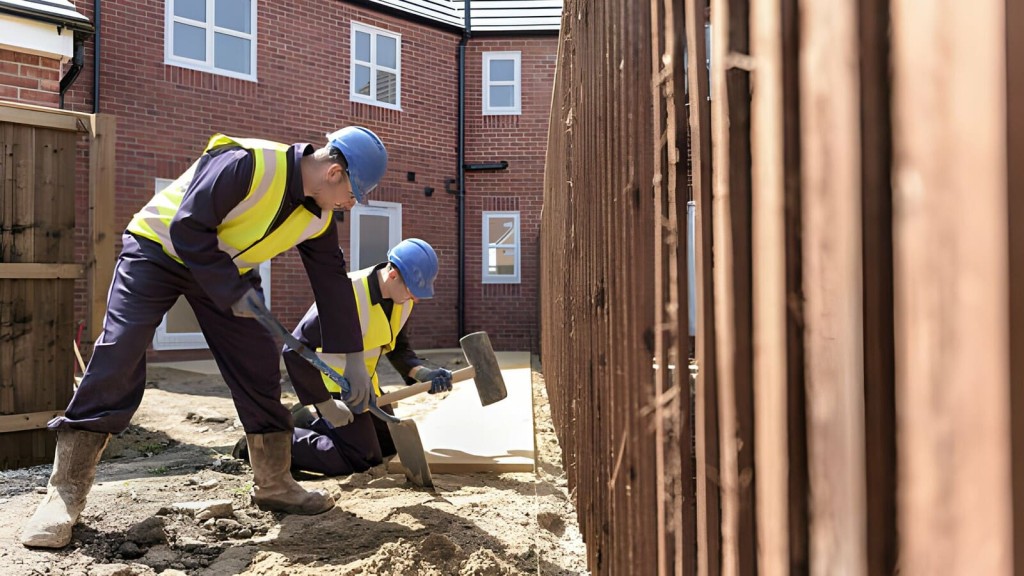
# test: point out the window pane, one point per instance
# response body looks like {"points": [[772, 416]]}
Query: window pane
{"points": [[362, 46], [231, 53], [192, 9], [501, 230], [189, 41], [503, 97], [387, 87], [387, 52], [373, 239], [362, 81], [233, 14], [503, 70], [501, 261]]}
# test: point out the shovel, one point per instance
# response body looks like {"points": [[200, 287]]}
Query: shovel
{"points": [[490, 386]]}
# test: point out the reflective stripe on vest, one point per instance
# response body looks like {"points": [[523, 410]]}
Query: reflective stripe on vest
{"points": [[379, 331], [243, 233]]}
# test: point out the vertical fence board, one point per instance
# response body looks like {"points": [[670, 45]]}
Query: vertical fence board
{"points": [[102, 228], [705, 407], [833, 285], [769, 269], [724, 291], [950, 235], [731, 157]]}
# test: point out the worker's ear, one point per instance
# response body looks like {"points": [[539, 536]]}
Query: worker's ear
{"points": [[335, 173]]}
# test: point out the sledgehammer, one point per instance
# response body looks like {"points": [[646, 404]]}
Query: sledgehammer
{"points": [[483, 369]]}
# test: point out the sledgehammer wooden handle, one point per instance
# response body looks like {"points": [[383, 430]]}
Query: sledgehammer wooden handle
{"points": [[457, 376]]}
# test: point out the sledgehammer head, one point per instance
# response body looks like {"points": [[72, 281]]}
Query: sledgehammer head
{"points": [[489, 383]]}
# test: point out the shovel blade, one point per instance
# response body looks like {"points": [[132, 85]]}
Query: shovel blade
{"points": [[406, 437]]}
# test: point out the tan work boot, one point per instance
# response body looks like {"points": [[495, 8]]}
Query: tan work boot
{"points": [[271, 458], [74, 469]]}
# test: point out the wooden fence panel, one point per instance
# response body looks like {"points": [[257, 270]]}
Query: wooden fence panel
{"points": [[860, 318], [37, 225]]}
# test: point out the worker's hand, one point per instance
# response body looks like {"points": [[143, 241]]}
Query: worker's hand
{"points": [[360, 386], [440, 380], [335, 412], [249, 305]]}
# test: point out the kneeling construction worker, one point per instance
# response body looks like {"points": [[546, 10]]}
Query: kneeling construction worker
{"points": [[241, 203], [385, 295]]}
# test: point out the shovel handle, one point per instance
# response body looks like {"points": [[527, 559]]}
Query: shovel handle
{"points": [[420, 387]]}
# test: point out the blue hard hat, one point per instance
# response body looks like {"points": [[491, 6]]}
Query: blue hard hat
{"points": [[366, 157], [417, 263]]}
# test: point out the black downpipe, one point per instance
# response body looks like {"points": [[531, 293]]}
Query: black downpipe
{"points": [[96, 58], [77, 61], [460, 209]]}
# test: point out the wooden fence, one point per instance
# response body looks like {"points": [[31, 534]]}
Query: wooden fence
{"points": [[38, 266], [858, 174]]}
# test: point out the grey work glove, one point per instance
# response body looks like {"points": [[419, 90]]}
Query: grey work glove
{"points": [[360, 386], [335, 412], [249, 305], [440, 379]]}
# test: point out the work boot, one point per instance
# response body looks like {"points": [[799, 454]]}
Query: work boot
{"points": [[241, 449], [270, 456], [74, 469]]}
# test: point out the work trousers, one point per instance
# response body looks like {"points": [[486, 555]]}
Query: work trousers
{"points": [[146, 284], [357, 447]]}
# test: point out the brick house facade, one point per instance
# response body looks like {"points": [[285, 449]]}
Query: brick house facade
{"points": [[303, 67]]}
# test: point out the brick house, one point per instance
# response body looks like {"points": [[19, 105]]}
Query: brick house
{"points": [[175, 72]]}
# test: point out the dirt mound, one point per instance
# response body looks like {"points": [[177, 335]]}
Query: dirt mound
{"points": [[169, 500]]}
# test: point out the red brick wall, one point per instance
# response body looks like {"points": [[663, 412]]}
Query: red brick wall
{"points": [[166, 113], [509, 313], [29, 79]]}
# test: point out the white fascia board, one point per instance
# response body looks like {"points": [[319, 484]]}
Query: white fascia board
{"points": [[33, 37]]}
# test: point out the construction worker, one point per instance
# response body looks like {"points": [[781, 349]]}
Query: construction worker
{"points": [[241, 203], [385, 294]]}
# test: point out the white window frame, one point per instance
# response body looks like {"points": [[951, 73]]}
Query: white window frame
{"points": [[488, 278], [517, 83], [173, 60], [393, 210], [373, 31]]}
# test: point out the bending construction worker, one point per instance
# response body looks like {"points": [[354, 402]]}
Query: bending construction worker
{"points": [[241, 203], [385, 295]]}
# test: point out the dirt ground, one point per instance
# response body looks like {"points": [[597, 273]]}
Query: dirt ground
{"points": [[169, 499]]}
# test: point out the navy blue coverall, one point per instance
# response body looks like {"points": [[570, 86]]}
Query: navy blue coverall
{"points": [[147, 282], [364, 442]]}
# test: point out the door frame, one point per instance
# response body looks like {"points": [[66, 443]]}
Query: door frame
{"points": [[393, 210]]}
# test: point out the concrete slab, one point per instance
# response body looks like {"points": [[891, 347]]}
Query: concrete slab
{"points": [[461, 436]]}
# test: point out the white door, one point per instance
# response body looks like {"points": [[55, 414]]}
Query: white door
{"points": [[180, 329], [375, 230]]}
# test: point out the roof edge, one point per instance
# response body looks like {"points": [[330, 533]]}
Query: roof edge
{"points": [[82, 26]]}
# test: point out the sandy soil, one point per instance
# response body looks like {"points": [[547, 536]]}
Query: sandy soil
{"points": [[177, 453]]}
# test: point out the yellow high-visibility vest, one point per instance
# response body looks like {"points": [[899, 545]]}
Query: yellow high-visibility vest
{"points": [[379, 331], [244, 234]]}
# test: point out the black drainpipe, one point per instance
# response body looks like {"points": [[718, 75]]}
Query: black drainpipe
{"points": [[77, 60], [96, 58], [460, 209]]}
